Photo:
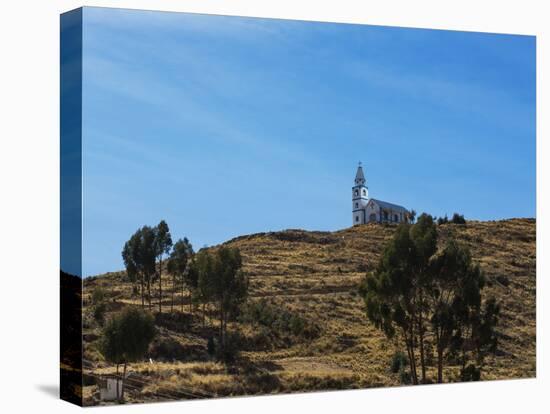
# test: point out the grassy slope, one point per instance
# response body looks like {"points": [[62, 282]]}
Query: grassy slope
{"points": [[316, 274]]}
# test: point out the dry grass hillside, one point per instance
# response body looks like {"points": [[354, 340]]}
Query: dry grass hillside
{"points": [[315, 275]]}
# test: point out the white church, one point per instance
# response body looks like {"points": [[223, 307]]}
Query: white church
{"points": [[368, 210]]}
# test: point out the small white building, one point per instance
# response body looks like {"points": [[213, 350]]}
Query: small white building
{"points": [[368, 210], [108, 388]]}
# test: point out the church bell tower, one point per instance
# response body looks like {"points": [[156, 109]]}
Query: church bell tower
{"points": [[359, 197]]}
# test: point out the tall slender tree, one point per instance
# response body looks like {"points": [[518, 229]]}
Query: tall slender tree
{"points": [[130, 256], [148, 256], [462, 325], [230, 285], [163, 244], [390, 293], [221, 280], [424, 237], [139, 255], [178, 265]]}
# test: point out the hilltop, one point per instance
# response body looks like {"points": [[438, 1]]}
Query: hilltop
{"points": [[316, 275]]}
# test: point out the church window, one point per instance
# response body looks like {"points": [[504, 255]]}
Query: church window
{"points": [[356, 218], [364, 192], [356, 205], [356, 192]]}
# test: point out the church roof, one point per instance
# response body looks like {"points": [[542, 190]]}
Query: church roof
{"points": [[360, 175], [390, 206]]}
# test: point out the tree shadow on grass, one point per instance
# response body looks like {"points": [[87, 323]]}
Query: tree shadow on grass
{"points": [[258, 377]]}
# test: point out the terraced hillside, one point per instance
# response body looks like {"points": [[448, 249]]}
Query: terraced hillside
{"points": [[315, 275]]}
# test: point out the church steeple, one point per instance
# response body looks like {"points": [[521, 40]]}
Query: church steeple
{"points": [[359, 197], [359, 176]]}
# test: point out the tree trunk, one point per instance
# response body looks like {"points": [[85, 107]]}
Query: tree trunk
{"points": [[173, 292], [221, 326], [142, 294], [149, 293], [160, 285], [422, 360], [182, 296], [414, 374], [439, 364], [410, 352]]}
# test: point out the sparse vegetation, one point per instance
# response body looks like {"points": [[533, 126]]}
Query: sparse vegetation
{"points": [[276, 322], [348, 351]]}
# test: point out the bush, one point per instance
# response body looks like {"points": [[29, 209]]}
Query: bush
{"points": [[167, 349], [398, 361], [279, 321], [98, 312], [503, 280], [211, 346], [98, 295], [230, 352], [470, 373], [404, 376], [458, 219], [362, 267]]}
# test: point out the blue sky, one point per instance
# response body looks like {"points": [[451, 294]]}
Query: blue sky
{"points": [[226, 126]]}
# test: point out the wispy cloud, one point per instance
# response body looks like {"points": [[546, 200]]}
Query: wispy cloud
{"points": [[460, 96]]}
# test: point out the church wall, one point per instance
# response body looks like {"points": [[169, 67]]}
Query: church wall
{"points": [[372, 209]]}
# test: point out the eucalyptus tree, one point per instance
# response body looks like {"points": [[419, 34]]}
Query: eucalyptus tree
{"points": [[220, 279], [178, 266], [163, 244], [229, 285], [139, 254], [422, 296], [462, 324]]}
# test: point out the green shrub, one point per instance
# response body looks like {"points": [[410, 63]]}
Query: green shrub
{"points": [[470, 373], [98, 312], [167, 349], [99, 295], [404, 376], [398, 361], [279, 321], [231, 350], [211, 346], [458, 219]]}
